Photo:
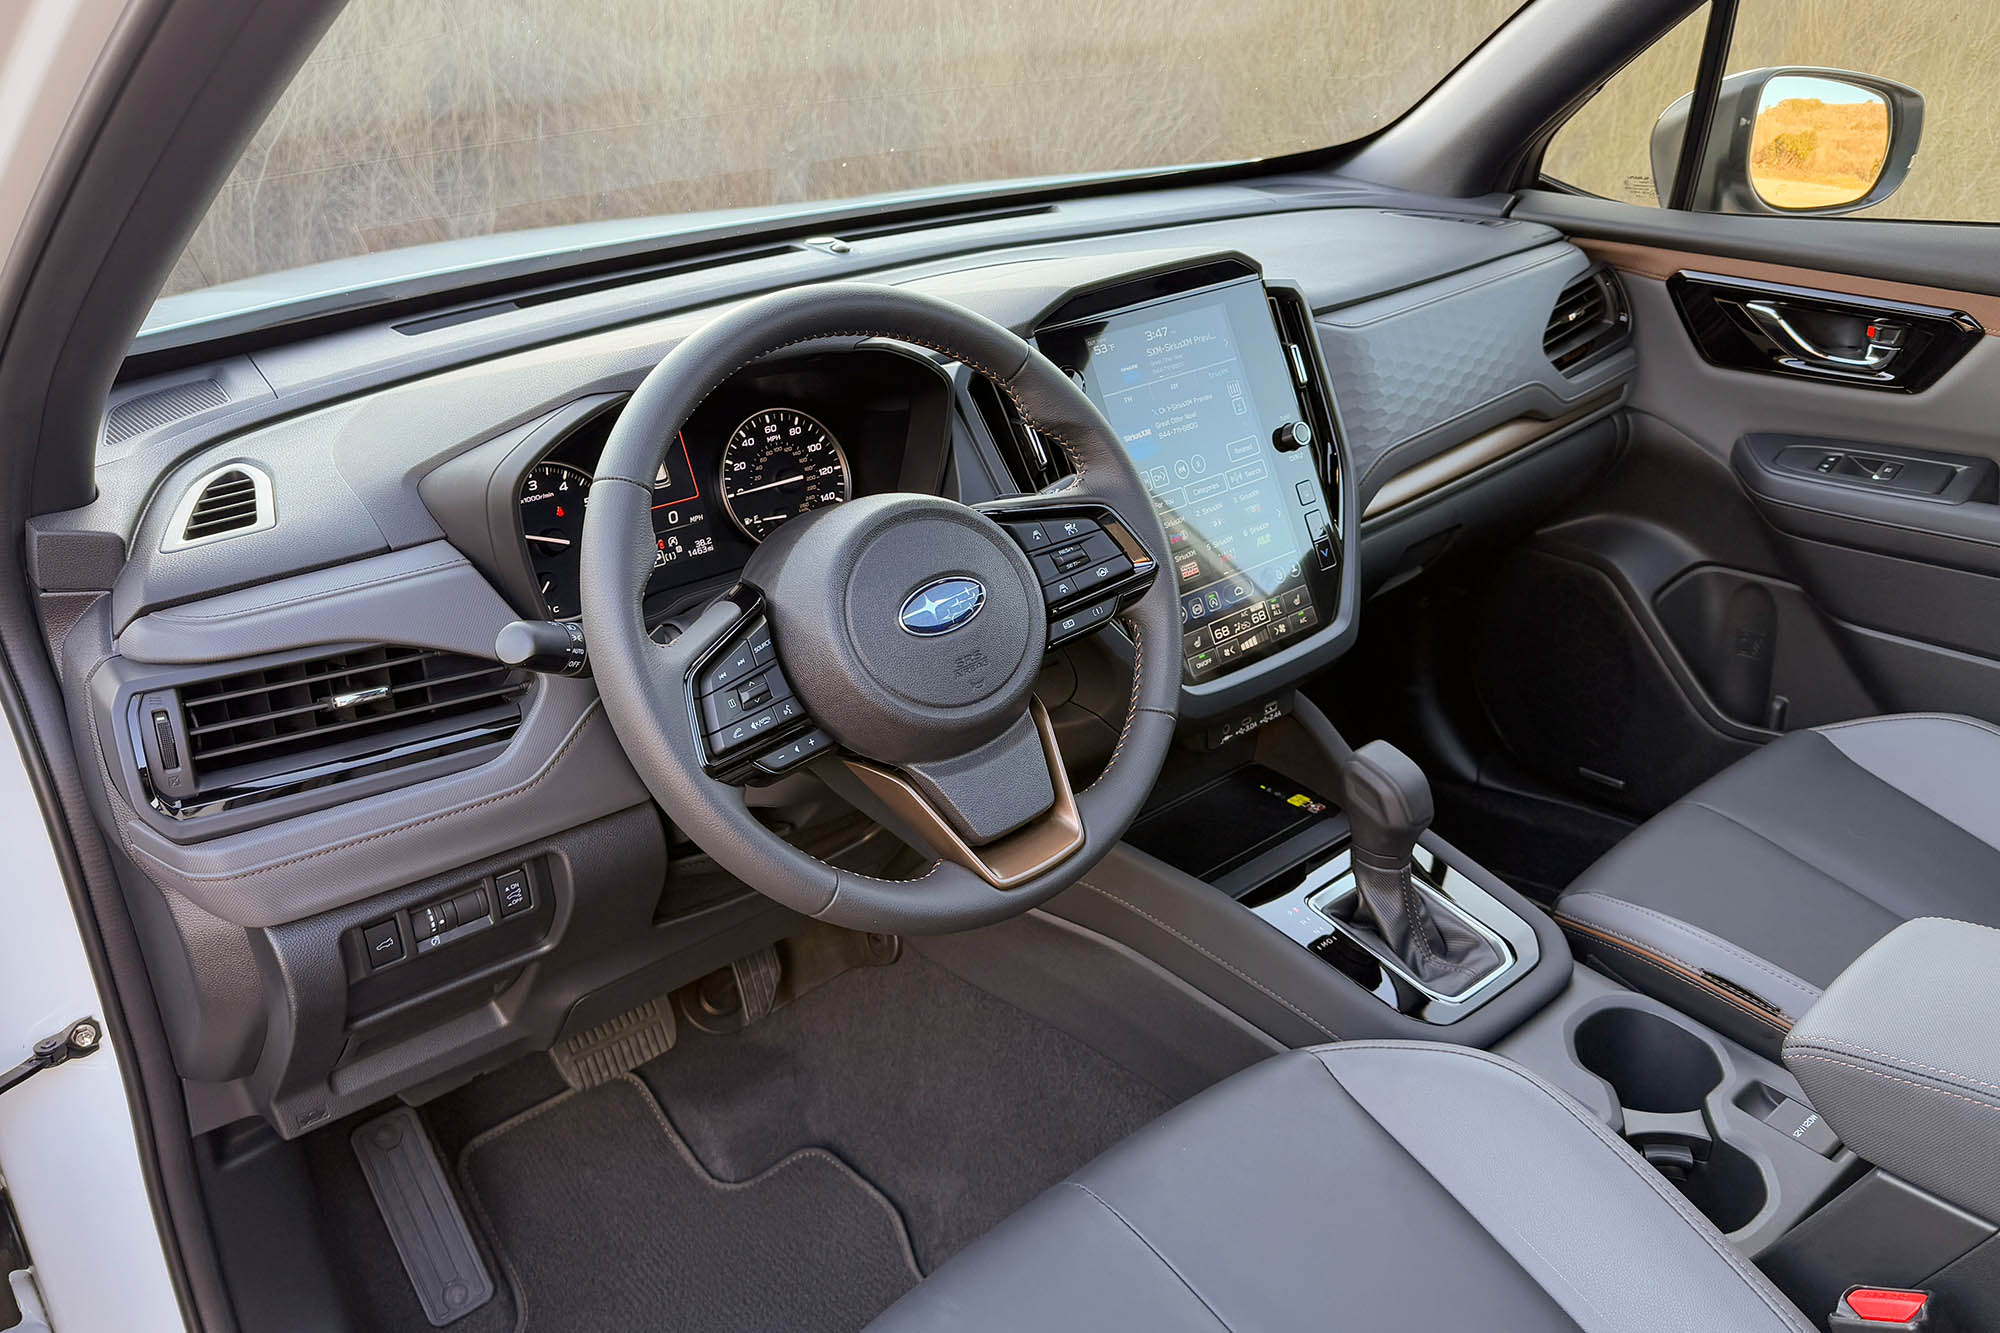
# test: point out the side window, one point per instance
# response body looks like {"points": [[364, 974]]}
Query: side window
{"points": [[1605, 148], [1820, 112]]}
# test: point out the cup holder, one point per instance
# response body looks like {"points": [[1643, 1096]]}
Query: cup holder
{"points": [[1662, 1075], [1653, 1064]]}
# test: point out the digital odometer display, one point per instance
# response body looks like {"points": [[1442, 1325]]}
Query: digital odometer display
{"points": [[1197, 388]]}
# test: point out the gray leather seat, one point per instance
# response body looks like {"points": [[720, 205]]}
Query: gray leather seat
{"points": [[1378, 1185], [1739, 903]]}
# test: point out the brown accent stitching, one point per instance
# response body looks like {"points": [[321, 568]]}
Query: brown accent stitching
{"points": [[1681, 973]]}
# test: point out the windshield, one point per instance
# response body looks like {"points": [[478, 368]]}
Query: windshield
{"points": [[425, 121]]}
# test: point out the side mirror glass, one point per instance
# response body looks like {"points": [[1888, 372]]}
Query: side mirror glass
{"points": [[1796, 141], [1817, 142]]}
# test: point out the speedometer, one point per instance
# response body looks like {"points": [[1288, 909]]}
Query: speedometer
{"points": [[779, 464]]}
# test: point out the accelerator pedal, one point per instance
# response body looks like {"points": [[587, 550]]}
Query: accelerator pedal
{"points": [[421, 1210], [616, 1047], [757, 982]]}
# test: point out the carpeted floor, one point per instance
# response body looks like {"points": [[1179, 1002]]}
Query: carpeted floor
{"points": [[603, 1219], [798, 1174]]}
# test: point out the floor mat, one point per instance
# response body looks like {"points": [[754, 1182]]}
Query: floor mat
{"points": [[604, 1219], [957, 1105]]}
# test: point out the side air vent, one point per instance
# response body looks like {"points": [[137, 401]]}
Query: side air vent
{"points": [[282, 729], [1588, 324], [1035, 461], [227, 502]]}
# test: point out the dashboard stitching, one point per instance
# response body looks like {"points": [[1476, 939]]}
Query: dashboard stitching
{"points": [[345, 588], [555, 759]]}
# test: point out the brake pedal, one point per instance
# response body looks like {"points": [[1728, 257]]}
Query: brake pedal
{"points": [[421, 1210], [616, 1047]]}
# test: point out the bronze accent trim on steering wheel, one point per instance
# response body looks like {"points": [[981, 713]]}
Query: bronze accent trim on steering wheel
{"points": [[1011, 860]]}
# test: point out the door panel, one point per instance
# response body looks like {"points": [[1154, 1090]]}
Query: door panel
{"points": [[1785, 549]]}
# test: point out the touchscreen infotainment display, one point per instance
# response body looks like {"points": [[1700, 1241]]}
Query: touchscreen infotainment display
{"points": [[1200, 393]]}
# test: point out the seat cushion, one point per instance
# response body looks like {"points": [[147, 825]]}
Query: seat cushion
{"points": [[1740, 902], [1378, 1185]]}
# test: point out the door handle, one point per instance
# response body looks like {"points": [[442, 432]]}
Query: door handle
{"points": [[1781, 331]]}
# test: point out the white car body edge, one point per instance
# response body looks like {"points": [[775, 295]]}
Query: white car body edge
{"points": [[69, 1154]]}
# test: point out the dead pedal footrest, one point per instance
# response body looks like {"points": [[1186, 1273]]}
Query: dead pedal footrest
{"points": [[421, 1210]]}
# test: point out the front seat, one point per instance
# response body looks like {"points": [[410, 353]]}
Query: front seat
{"points": [[1373, 1185], [1743, 900]]}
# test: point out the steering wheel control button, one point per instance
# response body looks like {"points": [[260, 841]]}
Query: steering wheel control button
{"points": [[1031, 533], [754, 692], [740, 661], [512, 893], [383, 944], [1082, 622], [790, 756], [760, 645]]}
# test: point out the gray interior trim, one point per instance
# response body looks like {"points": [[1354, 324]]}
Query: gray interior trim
{"points": [[1899, 1057]]}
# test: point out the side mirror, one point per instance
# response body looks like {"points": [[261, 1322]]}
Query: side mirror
{"points": [[1797, 141]]}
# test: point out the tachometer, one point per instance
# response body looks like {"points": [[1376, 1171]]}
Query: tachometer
{"points": [[779, 464], [552, 500]]}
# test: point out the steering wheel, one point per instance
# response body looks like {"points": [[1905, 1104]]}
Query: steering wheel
{"points": [[891, 642]]}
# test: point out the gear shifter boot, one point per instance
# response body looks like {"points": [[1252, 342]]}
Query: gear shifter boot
{"points": [[1388, 804]]}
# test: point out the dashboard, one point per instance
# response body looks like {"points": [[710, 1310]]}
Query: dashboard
{"points": [[1272, 359]]}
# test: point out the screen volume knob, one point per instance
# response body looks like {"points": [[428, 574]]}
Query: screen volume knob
{"points": [[1292, 435]]}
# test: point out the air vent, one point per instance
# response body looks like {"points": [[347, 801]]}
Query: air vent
{"points": [[1034, 461], [1294, 320], [282, 729], [1588, 323], [227, 502]]}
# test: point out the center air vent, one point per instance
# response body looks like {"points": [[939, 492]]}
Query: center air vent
{"points": [[1034, 459], [282, 729], [1588, 323], [225, 503]]}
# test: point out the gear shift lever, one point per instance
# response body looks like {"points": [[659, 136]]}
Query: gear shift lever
{"points": [[1388, 803]]}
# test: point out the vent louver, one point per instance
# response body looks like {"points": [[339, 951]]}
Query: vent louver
{"points": [[291, 727], [227, 502], [1588, 323], [1036, 462], [281, 712]]}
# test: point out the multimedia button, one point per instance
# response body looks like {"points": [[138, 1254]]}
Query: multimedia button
{"points": [[793, 754]]}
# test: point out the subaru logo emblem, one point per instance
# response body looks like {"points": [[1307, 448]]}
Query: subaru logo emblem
{"points": [[941, 606]]}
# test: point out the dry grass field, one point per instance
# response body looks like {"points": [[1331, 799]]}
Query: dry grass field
{"points": [[421, 120], [1806, 152]]}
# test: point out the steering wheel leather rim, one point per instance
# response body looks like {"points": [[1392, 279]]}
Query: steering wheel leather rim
{"points": [[642, 683]]}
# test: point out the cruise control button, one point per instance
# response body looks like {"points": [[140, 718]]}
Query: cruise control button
{"points": [[1031, 533], [1071, 529], [794, 753], [1082, 622], [1059, 591], [1101, 573], [1098, 546]]}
